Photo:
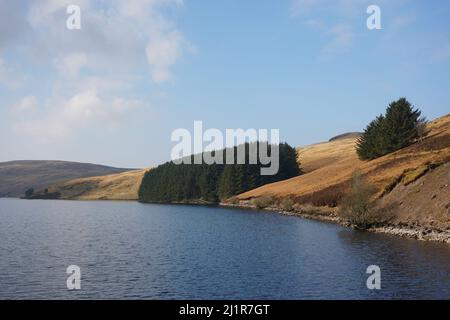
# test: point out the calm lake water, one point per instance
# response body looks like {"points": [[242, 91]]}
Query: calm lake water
{"points": [[133, 250]]}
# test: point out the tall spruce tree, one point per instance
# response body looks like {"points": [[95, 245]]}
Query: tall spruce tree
{"points": [[371, 144], [395, 130], [400, 124]]}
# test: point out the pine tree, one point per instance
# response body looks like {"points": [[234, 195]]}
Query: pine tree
{"points": [[399, 127], [400, 124], [371, 144]]}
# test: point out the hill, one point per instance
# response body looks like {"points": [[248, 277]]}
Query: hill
{"points": [[329, 167], [119, 186], [324, 154], [17, 176], [346, 135]]}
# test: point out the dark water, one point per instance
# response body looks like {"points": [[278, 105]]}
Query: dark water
{"points": [[132, 250]]}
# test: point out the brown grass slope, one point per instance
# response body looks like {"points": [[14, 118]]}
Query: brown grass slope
{"points": [[119, 186], [17, 176], [329, 166], [321, 155]]}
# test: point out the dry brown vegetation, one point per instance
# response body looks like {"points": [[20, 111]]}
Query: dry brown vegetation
{"points": [[121, 186], [320, 155], [329, 167]]}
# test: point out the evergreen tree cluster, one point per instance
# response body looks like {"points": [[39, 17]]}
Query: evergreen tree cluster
{"points": [[184, 182], [387, 133]]}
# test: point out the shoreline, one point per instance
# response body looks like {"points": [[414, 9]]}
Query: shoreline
{"points": [[417, 233]]}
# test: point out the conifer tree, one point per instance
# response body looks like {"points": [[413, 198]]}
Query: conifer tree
{"points": [[399, 127]]}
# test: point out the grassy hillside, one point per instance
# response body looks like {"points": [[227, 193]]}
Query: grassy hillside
{"points": [[17, 176], [119, 186], [321, 155], [329, 166]]}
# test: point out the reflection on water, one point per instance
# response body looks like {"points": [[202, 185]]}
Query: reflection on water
{"points": [[133, 250]]}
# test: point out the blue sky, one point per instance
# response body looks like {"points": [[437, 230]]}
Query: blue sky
{"points": [[114, 91]]}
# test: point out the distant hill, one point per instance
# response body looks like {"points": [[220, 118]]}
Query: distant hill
{"points": [[17, 176], [117, 186], [346, 136]]}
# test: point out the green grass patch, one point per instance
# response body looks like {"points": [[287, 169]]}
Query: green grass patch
{"points": [[412, 175]]}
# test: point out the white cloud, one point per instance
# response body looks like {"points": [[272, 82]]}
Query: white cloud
{"points": [[163, 51], [63, 117], [90, 74], [123, 36], [27, 104], [140, 10], [165, 44]]}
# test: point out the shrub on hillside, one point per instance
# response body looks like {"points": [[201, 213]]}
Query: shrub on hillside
{"points": [[287, 204], [263, 202], [357, 207]]}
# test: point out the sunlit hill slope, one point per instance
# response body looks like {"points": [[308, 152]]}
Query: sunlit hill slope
{"points": [[329, 166], [120, 186]]}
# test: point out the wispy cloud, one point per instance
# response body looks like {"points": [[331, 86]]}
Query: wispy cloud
{"points": [[342, 38], [27, 104], [59, 118], [162, 53], [339, 36]]}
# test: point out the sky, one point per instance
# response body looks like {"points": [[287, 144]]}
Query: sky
{"points": [[113, 91]]}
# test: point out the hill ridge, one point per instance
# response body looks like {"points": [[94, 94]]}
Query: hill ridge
{"points": [[18, 175]]}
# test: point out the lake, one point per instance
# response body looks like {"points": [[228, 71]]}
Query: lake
{"points": [[132, 250]]}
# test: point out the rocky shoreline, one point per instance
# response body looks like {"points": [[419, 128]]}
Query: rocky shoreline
{"points": [[419, 233], [319, 214]]}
